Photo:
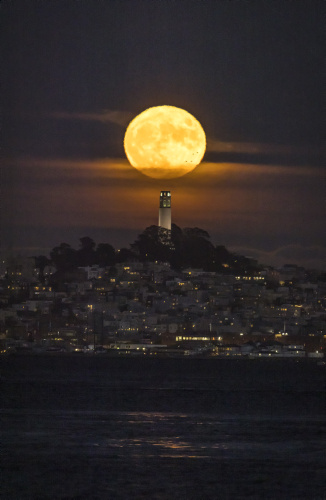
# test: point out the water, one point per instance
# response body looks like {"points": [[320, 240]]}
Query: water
{"points": [[115, 428]]}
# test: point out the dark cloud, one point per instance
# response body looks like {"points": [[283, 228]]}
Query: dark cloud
{"points": [[121, 118], [262, 149]]}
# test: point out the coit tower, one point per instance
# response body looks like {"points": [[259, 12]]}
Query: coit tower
{"points": [[164, 214]]}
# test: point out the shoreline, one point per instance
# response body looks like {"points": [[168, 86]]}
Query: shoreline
{"points": [[119, 355]]}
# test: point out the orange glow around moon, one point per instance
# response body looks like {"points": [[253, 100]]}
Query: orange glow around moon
{"points": [[165, 142]]}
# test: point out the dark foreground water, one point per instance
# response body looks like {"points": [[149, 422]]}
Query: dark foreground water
{"points": [[116, 428]]}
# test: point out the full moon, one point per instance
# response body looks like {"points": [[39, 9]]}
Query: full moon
{"points": [[165, 142]]}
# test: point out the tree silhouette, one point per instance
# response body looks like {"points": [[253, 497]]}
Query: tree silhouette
{"points": [[195, 233], [40, 262], [64, 257], [151, 245], [105, 255], [198, 250], [182, 248], [124, 255], [86, 254]]}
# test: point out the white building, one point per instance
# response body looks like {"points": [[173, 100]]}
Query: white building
{"points": [[164, 214]]}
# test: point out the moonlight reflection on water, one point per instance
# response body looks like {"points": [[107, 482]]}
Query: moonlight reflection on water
{"points": [[86, 428]]}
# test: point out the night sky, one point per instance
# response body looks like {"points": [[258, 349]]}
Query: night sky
{"points": [[74, 73]]}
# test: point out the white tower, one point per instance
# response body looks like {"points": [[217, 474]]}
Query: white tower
{"points": [[164, 214]]}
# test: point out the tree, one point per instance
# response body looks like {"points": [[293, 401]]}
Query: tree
{"points": [[222, 257], [177, 256], [199, 251], [196, 232], [105, 255], [40, 262], [150, 245], [86, 254], [64, 257], [124, 255]]}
